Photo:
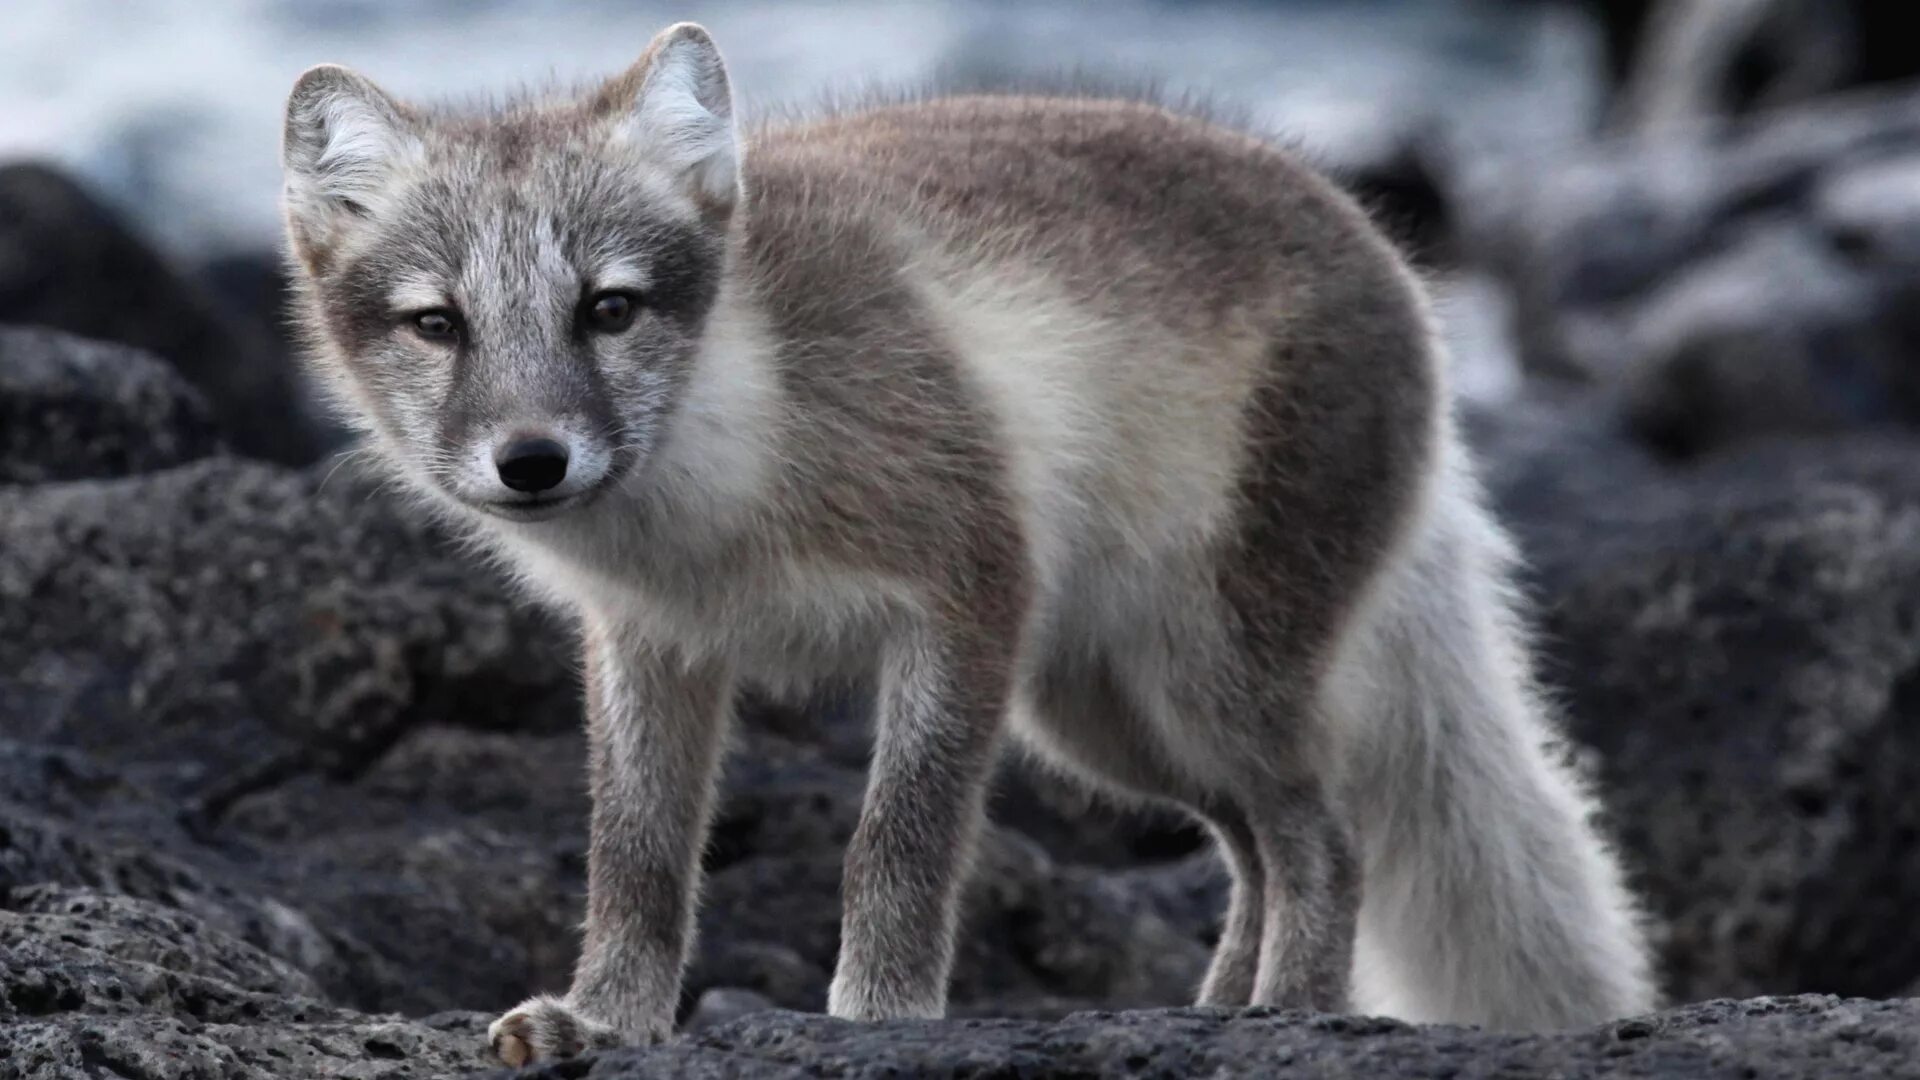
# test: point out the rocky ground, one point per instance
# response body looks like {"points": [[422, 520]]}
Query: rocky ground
{"points": [[288, 787]]}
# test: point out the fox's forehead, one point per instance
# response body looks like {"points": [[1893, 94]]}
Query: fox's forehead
{"points": [[464, 228], [510, 247]]}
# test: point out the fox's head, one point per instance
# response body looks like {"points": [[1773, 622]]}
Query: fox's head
{"points": [[511, 302]]}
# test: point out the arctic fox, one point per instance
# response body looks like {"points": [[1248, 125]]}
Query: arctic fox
{"points": [[1078, 418]]}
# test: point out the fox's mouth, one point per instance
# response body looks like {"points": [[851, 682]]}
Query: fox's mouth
{"points": [[545, 507], [540, 509]]}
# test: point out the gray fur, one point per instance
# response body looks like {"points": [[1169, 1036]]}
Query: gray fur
{"points": [[1077, 417]]}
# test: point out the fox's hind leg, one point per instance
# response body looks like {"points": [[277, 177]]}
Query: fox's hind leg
{"points": [[1236, 959], [1255, 726], [1082, 720]]}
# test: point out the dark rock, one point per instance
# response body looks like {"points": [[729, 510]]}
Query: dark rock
{"points": [[1740, 643], [1077, 824], [231, 616], [1775, 335], [70, 263], [390, 737], [1777, 1039], [253, 284], [160, 1047], [723, 1005], [145, 932], [73, 409], [248, 645], [454, 863], [94, 981], [1039, 937], [1720, 284], [1794, 49]]}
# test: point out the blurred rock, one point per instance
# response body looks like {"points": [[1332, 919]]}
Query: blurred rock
{"points": [[1720, 284], [723, 1006], [1775, 334], [69, 263], [1693, 59], [72, 409], [1804, 1038], [1739, 641], [254, 286], [1702, 59]]}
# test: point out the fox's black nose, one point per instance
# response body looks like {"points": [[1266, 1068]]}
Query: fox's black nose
{"points": [[531, 464]]}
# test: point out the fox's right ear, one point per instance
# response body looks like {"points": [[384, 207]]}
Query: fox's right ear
{"points": [[677, 103], [344, 138]]}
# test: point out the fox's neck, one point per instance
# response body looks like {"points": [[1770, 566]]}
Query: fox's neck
{"points": [[718, 460]]}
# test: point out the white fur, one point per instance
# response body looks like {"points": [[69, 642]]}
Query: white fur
{"points": [[621, 274], [1484, 901], [1116, 450], [363, 145], [715, 460], [417, 291], [684, 115]]}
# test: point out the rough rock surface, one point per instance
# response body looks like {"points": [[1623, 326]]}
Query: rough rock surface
{"points": [[1740, 643], [1760, 1039], [72, 409]]}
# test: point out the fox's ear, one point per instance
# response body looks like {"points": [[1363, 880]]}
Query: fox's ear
{"points": [[343, 140], [675, 102]]}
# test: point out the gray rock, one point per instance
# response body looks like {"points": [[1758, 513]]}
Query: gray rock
{"points": [[1815, 1038], [276, 757], [1871, 208], [134, 931], [245, 620], [1740, 644], [228, 629], [1722, 283], [93, 981], [69, 263], [723, 1005], [1777, 334], [1040, 937], [72, 409], [175, 1048]]}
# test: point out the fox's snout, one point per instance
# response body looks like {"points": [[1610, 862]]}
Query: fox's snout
{"points": [[529, 470]]}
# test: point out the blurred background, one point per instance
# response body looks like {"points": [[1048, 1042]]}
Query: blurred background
{"points": [[1676, 247]]}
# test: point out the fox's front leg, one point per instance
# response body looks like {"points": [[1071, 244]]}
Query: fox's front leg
{"points": [[942, 695], [655, 725]]}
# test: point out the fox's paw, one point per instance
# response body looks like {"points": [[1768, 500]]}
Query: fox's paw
{"points": [[546, 1028]]}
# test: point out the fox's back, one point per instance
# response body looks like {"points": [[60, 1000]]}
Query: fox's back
{"points": [[1123, 286], [1126, 200]]}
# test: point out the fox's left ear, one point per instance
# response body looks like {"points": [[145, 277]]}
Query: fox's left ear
{"points": [[345, 140], [675, 102]]}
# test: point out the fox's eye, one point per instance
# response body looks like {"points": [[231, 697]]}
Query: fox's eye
{"points": [[611, 312], [437, 325]]}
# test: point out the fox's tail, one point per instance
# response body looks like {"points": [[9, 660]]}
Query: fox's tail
{"points": [[1490, 897]]}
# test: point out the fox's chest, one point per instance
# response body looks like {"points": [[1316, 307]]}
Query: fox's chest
{"points": [[783, 625], [785, 633]]}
